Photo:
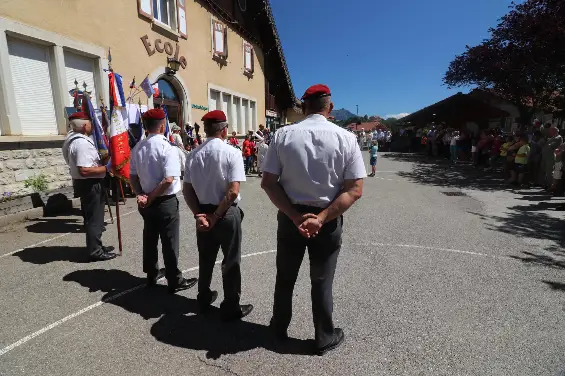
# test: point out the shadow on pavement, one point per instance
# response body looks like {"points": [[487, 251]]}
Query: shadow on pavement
{"points": [[44, 255], [556, 285], [145, 302], [55, 226], [208, 333], [178, 325]]}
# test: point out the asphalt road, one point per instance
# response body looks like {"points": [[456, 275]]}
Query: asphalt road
{"points": [[427, 284]]}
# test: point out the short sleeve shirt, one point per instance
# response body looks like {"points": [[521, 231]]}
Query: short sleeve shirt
{"points": [[154, 159], [80, 151], [313, 159], [211, 168]]}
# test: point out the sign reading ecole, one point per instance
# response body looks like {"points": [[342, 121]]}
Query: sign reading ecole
{"points": [[167, 47]]}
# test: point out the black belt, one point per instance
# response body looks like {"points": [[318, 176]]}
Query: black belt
{"points": [[210, 208], [161, 199], [308, 209]]}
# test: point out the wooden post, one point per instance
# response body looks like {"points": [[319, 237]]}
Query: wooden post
{"points": [[119, 224]]}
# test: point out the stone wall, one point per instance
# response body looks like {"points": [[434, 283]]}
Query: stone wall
{"points": [[17, 165]]}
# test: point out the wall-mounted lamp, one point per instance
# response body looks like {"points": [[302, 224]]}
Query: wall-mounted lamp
{"points": [[173, 66]]}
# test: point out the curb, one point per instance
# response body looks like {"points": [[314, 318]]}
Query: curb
{"points": [[29, 214]]}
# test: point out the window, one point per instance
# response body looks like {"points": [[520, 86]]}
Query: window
{"points": [[219, 39], [81, 69], [164, 12], [167, 91], [248, 59], [170, 13], [33, 91]]}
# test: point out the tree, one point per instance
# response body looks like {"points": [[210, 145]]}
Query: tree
{"points": [[523, 60]]}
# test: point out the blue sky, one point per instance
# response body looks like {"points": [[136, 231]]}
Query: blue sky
{"points": [[387, 56]]}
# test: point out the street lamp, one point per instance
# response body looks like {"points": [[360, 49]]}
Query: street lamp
{"points": [[357, 109], [173, 65]]}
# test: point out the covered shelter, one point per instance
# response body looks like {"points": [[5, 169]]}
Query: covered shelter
{"points": [[457, 111]]}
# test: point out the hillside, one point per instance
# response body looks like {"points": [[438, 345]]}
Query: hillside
{"points": [[342, 114]]}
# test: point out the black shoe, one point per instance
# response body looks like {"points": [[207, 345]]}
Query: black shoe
{"points": [[280, 334], [338, 339], [203, 308], [108, 249], [152, 281], [185, 284], [244, 310], [104, 256]]}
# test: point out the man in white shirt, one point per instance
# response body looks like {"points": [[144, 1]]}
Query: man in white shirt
{"points": [[313, 173], [212, 178], [88, 172], [155, 179]]}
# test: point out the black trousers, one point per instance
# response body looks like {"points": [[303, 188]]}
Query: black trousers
{"points": [[323, 251], [92, 199], [227, 235], [161, 220]]}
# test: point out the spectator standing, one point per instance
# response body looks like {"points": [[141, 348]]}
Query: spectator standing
{"points": [[247, 157], [373, 153], [554, 141], [520, 161]]}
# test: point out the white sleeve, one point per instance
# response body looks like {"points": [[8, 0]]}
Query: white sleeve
{"points": [[354, 164], [236, 169], [187, 178], [132, 168], [86, 155], [172, 162], [272, 163]]}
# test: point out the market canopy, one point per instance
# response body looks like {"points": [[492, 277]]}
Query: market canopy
{"points": [[454, 111]]}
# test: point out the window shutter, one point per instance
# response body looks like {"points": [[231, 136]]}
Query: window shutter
{"points": [[145, 8], [248, 57], [218, 38], [225, 41], [181, 11], [80, 68], [252, 59]]}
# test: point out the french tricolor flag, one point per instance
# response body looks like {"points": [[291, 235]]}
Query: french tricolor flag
{"points": [[117, 96]]}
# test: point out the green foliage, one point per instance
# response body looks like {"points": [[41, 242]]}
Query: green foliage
{"points": [[38, 183]]}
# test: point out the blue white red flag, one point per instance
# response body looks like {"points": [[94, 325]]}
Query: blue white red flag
{"points": [[168, 133], [97, 131], [117, 97]]}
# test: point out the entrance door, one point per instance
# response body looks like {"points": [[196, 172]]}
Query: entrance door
{"points": [[169, 97]]}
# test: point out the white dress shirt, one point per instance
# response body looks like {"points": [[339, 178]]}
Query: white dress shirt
{"points": [[211, 167], [154, 159], [81, 152], [313, 159]]}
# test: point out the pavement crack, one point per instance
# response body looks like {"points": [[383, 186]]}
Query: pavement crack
{"points": [[220, 367]]}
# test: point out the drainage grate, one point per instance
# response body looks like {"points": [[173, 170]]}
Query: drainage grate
{"points": [[454, 193]]}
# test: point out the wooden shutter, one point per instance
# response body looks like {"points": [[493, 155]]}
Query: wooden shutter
{"points": [[145, 8], [218, 38], [181, 11], [248, 57]]}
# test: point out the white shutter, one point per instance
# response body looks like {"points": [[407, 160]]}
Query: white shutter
{"points": [[29, 64], [248, 56], [245, 115], [219, 38], [253, 114], [213, 101], [82, 69], [181, 11], [145, 8]]}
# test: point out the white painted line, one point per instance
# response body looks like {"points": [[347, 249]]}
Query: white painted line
{"points": [[56, 237], [98, 304], [433, 249]]}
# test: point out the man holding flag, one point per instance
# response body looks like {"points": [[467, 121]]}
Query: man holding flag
{"points": [[88, 171]]}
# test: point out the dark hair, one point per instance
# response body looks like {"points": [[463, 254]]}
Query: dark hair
{"points": [[151, 124]]}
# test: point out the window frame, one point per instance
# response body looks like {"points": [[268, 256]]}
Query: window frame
{"points": [[223, 54], [172, 17], [248, 71]]}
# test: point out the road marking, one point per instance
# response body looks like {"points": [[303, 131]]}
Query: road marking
{"points": [[98, 304], [57, 237], [433, 249]]}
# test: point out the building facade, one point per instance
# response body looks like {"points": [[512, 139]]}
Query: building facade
{"points": [[229, 52]]}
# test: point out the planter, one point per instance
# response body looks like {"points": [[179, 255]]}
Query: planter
{"points": [[16, 205], [53, 202]]}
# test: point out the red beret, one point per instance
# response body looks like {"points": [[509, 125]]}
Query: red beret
{"points": [[154, 114], [215, 116], [317, 91], [79, 116]]}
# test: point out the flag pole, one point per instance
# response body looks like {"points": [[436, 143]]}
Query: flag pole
{"points": [[107, 188], [118, 221]]}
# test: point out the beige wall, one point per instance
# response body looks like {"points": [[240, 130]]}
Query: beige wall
{"points": [[117, 25]]}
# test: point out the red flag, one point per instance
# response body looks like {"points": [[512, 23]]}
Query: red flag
{"points": [[119, 143]]}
